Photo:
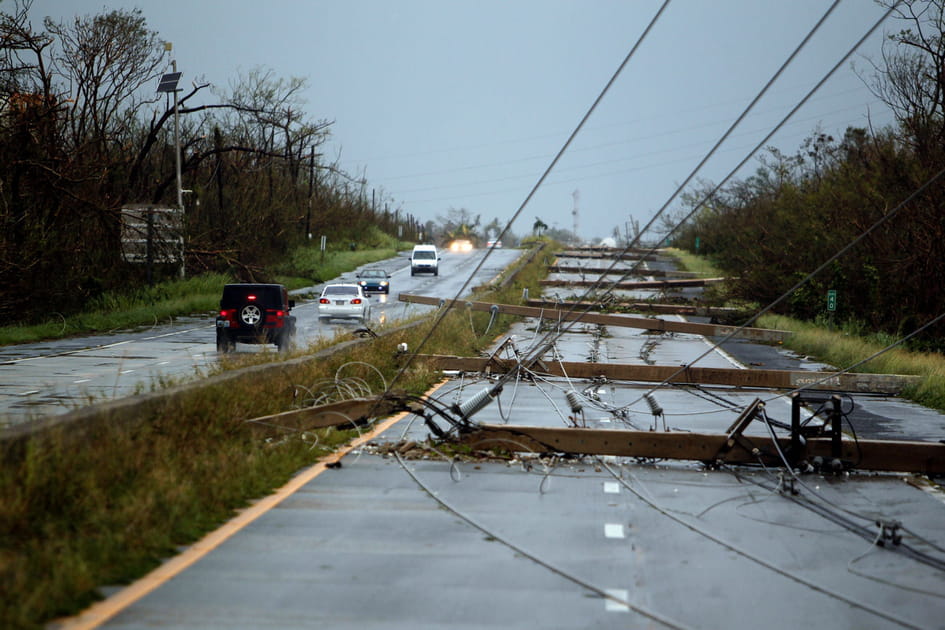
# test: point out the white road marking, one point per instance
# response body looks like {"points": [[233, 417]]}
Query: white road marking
{"points": [[613, 606], [611, 487], [613, 530], [102, 346], [725, 355]]}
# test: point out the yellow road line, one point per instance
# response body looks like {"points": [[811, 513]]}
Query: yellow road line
{"points": [[104, 610]]}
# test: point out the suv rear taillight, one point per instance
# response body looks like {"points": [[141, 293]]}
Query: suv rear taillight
{"points": [[229, 314], [275, 317]]}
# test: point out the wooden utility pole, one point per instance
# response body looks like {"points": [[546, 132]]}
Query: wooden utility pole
{"points": [[626, 321]]}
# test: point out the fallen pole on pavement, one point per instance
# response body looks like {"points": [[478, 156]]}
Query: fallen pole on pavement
{"points": [[770, 379], [646, 323], [656, 273], [630, 286], [713, 449], [642, 307], [880, 455]]}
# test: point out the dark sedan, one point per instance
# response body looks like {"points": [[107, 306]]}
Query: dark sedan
{"points": [[374, 280]]}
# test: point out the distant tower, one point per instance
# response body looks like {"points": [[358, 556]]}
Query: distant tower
{"points": [[576, 196]]}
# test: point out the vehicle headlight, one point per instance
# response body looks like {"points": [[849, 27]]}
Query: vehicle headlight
{"points": [[384, 283]]}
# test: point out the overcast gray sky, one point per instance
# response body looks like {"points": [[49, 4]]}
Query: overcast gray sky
{"points": [[446, 104]]}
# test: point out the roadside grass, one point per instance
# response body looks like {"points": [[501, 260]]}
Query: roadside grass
{"points": [[144, 307], [713, 294], [842, 350], [845, 345], [693, 263], [308, 264], [198, 295], [101, 504]]}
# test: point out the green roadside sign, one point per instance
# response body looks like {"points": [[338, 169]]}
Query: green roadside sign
{"points": [[831, 300]]}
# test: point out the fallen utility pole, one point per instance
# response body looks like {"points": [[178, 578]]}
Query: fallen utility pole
{"points": [[625, 321], [731, 447], [610, 255], [769, 379], [713, 449], [353, 411], [612, 250], [643, 307], [642, 284], [656, 273]]}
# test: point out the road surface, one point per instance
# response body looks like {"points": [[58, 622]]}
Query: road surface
{"points": [[58, 376], [419, 541]]}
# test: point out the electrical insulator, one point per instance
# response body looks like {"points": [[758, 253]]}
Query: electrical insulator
{"points": [[477, 403], [574, 402], [655, 408]]}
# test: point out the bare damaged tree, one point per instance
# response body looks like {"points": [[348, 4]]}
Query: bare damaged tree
{"points": [[26, 109], [911, 79], [108, 60], [22, 51], [83, 132]]}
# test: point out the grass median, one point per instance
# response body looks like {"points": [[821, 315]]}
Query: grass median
{"points": [[102, 504]]}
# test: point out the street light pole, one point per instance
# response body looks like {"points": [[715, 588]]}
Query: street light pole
{"points": [[180, 190], [169, 83]]}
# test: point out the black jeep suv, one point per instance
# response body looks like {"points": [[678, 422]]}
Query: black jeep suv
{"points": [[255, 313]]}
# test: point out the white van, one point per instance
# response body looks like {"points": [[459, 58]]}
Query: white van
{"points": [[424, 259]]}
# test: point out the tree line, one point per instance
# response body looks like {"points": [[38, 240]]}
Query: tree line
{"points": [[84, 134], [795, 212]]}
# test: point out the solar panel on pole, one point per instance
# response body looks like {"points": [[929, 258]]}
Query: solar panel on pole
{"points": [[168, 82]]}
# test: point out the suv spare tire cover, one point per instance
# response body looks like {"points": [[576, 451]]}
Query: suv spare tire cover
{"points": [[251, 315]]}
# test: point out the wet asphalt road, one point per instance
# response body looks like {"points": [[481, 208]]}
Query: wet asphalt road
{"points": [[423, 542], [58, 376]]}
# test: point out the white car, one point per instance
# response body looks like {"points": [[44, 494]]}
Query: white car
{"points": [[424, 259], [344, 300]]}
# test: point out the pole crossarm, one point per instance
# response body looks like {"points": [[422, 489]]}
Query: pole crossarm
{"points": [[654, 324], [769, 379], [617, 271], [642, 307], [640, 284], [880, 455], [611, 255]]}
